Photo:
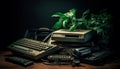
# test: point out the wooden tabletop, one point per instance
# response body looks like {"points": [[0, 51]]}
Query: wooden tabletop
{"points": [[115, 64]]}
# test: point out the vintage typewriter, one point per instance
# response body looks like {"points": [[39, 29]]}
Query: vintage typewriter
{"points": [[32, 49]]}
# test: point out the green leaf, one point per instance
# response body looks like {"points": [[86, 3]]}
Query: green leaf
{"points": [[73, 27], [71, 13], [59, 14], [65, 23], [58, 24]]}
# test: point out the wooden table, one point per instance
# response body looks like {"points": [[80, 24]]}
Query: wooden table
{"points": [[115, 64]]}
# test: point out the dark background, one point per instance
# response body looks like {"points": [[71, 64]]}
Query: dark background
{"points": [[20, 15]]}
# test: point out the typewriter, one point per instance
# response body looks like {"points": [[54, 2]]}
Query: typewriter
{"points": [[32, 49]]}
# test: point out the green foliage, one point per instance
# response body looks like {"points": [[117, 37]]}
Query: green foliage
{"points": [[98, 22], [66, 20]]}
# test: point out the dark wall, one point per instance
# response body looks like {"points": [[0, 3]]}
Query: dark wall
{"points": [[25, 14]]}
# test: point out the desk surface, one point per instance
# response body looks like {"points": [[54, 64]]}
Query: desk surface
{"points": [[115, 64]]}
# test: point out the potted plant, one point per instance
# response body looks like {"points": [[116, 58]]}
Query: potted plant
{"points": [[100, 23]]}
